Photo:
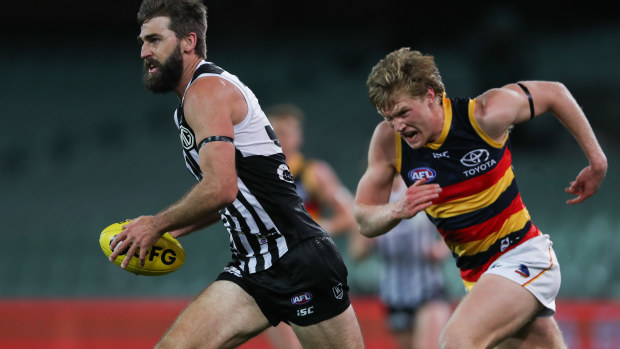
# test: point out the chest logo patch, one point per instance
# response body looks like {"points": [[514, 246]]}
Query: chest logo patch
{"points": [[422, 172], [475, 157], [478, 161], [187, 138]]}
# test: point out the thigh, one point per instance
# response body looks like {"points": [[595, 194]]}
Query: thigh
{"points": [[341, 332], [222, 316], [495, 308]]}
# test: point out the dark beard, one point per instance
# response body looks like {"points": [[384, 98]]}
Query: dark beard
{"points": [[169, 74]]}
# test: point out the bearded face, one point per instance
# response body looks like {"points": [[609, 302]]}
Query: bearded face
{"points": [[163, 77]]}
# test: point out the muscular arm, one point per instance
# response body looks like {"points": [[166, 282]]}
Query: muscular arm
{"points": [[373, 211], [212, 106], [498, 109]]}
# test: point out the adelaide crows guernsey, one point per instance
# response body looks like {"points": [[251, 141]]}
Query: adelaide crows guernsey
{"points": [[267, 217], [479, 212]]}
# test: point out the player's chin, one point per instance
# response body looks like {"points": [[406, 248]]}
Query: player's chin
{"points": [[415, 143]]}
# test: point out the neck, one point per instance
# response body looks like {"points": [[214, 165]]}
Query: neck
{"points": [[189, 67]]}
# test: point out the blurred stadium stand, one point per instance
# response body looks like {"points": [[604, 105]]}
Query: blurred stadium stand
{"points": [[82, 144]]}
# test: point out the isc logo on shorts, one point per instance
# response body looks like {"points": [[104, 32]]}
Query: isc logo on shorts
{"points": [[301, 298], [305, 311]]}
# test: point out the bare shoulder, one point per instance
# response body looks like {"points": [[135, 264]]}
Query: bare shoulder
{"points": [[493, 101], [383, 134], [375, 185], [513, 99], [497, 109], [216, 96], [383, 142]]}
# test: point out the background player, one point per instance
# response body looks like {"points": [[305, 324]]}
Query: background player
{"points": [[412, 285], [327, 200]]}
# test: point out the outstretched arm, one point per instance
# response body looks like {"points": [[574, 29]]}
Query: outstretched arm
{"points": [[498, 109]]}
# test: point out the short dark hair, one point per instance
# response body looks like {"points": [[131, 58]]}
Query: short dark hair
{"points": [[186, 16], [285, 110]]}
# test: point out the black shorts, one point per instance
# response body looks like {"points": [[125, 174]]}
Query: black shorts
{"points": [[306, 286]]}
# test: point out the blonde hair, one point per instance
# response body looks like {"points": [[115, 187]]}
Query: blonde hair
{"points": [[403, 71]]}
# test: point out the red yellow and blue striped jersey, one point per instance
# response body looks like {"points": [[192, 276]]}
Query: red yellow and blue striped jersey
{"points": [[479, 213]]}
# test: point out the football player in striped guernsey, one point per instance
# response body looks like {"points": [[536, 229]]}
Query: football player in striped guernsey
{"points": [[454, 155], [284, 266]]}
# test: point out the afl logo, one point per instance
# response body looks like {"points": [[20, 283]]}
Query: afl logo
{"points": [[301, 298], [422, 172], [187, 138], [475, 157]]}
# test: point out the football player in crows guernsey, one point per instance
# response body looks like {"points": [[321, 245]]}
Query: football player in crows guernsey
{"points": [[454, 154], [284, 266]]}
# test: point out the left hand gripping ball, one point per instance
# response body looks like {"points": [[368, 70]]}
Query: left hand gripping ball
{"points": [[166, 256]]}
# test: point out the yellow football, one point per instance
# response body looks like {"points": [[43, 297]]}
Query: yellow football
{"points": [[166, 256]]}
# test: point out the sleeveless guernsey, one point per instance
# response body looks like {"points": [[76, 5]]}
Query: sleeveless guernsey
{"points": [[267, 217], [479, 212]]}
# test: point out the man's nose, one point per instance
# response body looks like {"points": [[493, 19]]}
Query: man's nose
{"points": [[399, 125], [145, 51]]}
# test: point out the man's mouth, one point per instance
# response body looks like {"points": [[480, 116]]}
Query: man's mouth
{"points": [[151, 67], [410, 135]]}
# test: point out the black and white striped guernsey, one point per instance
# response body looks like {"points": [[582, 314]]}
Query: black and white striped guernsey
{"points": [[268, 217]]}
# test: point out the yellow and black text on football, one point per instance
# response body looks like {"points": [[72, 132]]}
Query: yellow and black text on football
{"points": [[166, 256]]}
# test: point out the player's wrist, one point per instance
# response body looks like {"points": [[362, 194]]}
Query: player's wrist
{"points": [[159, 225]]}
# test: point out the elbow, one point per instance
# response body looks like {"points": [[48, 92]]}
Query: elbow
{"points": [[228, 195], [358, 216], [365, 232], [361, 223], [368, 231], [223, 194]]}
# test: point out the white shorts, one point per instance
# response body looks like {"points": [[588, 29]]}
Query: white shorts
{"points": [[533, 265]]}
